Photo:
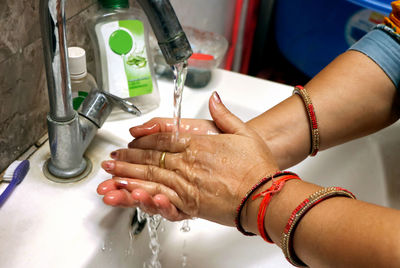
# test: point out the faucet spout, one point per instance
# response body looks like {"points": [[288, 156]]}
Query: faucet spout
{"points": [[53, 28], [169, 33]]}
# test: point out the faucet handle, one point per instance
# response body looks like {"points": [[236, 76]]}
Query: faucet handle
{"points": [[98, 104], [125, 105]]}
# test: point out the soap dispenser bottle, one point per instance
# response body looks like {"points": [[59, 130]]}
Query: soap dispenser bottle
{"points": [[120, 39], [82, 82]]}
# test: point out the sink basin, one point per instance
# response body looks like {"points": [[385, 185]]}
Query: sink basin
{"points": [[46, 224]]}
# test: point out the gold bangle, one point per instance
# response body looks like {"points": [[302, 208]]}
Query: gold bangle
{"points": [[315, 138], [298, 213]]}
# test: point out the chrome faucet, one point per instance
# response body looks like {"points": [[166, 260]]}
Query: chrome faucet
{"points": [[70, 132]]}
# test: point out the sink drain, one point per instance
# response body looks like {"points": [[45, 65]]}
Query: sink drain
{"points": [[83, 175]]}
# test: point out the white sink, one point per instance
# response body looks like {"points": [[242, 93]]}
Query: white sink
{"points": [[45, 224]]}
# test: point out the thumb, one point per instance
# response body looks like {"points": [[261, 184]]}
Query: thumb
{"points": [[226, 121]]}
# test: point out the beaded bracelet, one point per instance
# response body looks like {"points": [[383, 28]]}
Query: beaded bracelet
{"points": [[247, 196], [299, 212], [267, 196], [315, 139]]}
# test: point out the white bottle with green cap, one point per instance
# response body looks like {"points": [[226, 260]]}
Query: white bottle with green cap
{"points": [[124, 64], [82, 82]]}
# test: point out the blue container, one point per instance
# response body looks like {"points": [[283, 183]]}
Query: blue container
{"points": [[311, 33], [381, 6]]}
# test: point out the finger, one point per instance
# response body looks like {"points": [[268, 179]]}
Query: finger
{"points": [[120, 198], [151, 188], [147, 157], [157, 125], [226, 121], [159, 204], [145, 201], [162, 142], [106, 186], [148, 173], [168, 210]]}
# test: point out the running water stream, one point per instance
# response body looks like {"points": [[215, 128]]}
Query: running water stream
{"points": [[180, 71]]}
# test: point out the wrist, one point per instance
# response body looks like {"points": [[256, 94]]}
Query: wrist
{"points": [[287, 136], [279, 209], [258, 201], [283, 204]]}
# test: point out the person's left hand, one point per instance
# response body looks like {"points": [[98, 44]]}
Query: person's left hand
{"points": [[204, 176]]}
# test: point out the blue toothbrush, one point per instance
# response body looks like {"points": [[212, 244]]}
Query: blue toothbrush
{"points": [[15, 173]]}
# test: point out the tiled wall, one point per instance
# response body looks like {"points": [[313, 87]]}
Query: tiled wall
{"points": [[23, 91]]}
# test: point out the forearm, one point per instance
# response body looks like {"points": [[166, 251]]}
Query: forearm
{"points": [[338, 232], [352, 97]]}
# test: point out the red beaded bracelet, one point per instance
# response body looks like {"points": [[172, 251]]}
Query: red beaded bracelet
{"points": [[297, 215], [247, 196], [267, 196], [315, 139]]}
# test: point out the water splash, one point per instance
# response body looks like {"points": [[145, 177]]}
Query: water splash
{"points": [[184, 260], [107, 246], [184, 256], [129, 251], [152, 224]]}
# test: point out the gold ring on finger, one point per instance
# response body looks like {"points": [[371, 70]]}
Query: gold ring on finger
{"points": [[162, 160]]}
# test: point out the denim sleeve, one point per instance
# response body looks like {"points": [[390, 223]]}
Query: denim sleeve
{"points": [[384, 50]]}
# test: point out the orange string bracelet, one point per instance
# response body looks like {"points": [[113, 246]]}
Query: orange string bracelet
{"points": [[267, 196], [247, 196]]}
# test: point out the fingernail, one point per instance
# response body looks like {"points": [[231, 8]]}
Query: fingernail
{"points": [[121, 182], [114, 155], [216, 97], [109, 165]]}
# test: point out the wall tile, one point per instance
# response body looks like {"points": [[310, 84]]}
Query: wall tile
{"points": [[19, 26], [23, 102], [73, 7]]}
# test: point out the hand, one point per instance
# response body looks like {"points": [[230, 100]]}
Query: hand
{"points": [[205, 175]]}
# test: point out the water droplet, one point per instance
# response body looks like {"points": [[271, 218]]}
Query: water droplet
{"points": [[185, 226], [184, 261]]}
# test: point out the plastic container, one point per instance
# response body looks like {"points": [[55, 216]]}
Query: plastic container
{"points": [[208, 52], [120, 38], [311, 33], [82, 82]]}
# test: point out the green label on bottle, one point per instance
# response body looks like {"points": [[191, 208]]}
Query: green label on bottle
{"points": [[127, 41]]}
